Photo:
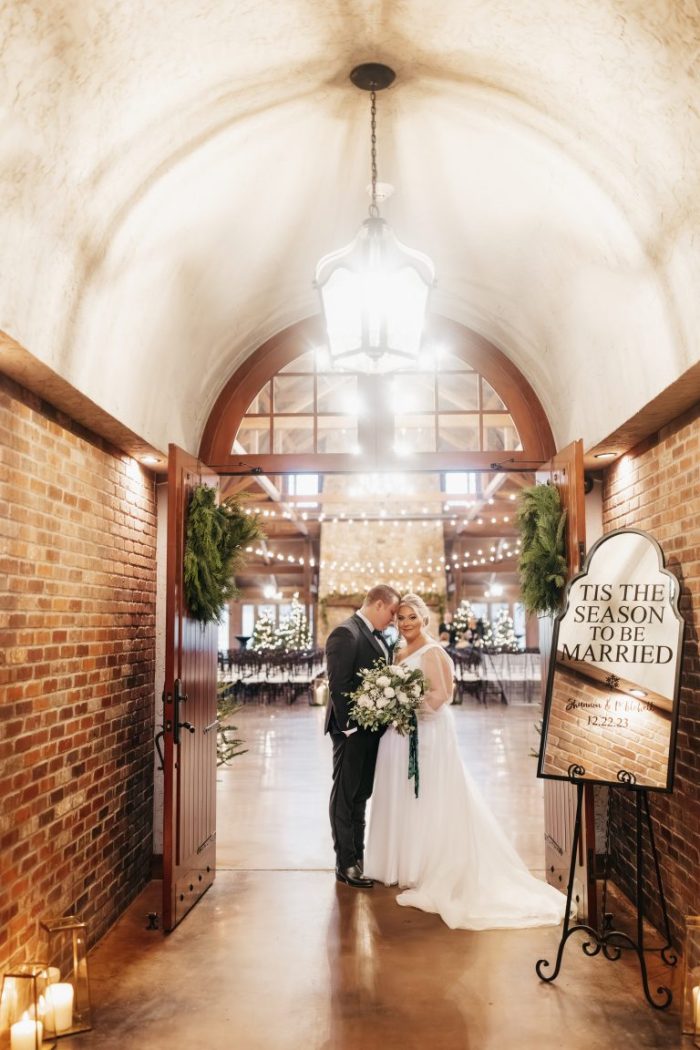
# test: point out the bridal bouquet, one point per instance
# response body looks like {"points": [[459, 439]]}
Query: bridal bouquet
{"points": [[388, 696]]}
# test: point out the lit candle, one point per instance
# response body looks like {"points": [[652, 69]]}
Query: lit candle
{"points": [[696, 1008], [26, 1034], [59, 1002]]}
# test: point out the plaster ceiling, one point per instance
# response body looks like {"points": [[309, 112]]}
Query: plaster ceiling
{"points": [[170, 174]]}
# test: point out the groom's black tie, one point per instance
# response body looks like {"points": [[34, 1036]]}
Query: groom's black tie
{"points": [[378, 634]]}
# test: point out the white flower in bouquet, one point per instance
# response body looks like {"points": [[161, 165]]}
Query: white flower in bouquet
{"points": [[387, 696]]}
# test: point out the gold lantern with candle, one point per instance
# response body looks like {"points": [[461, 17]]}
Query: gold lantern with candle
{"points": [[690, 1016], [23, 1008], [68, 981]]}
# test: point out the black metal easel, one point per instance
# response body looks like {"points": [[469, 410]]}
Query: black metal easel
{"points": [[613, 942]]}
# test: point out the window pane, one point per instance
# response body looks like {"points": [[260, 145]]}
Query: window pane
{"points": [[303, 363], [301, 484], [413, 393], [458, 433], [458, 393], [247, 619], [294, 394], [414, 434], [294, 434], [336, 434], [458, 483], [222, 640], [500, 433], [491, 400], [336, 393], [260, 405], [449, 363], [254, 435]]}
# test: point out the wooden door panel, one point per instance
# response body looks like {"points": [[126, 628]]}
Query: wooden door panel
{"points": [[189, 699], [565, 470]]}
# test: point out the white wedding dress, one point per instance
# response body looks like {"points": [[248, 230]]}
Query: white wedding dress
{"points": [[445, 846]]}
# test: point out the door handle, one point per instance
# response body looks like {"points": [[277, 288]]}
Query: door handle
{"points": [[179, 698]]}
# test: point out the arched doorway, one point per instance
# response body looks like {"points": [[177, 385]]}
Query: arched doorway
{"points": [[286, 428]]}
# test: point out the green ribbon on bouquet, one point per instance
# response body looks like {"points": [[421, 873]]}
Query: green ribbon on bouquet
{"points": [[413, 773]]}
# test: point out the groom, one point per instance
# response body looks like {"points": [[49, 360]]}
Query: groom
{"points": [[352, 646]]}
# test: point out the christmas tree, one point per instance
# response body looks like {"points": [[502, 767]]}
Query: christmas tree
{"points": [[464, 615], [263, 634], [294, 632], [504, 637]]}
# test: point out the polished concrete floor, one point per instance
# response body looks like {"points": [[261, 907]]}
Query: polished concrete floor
{"points": [[279, 956]]}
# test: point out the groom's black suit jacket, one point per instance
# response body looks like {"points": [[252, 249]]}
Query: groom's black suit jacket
{"points": [[350, 648]]}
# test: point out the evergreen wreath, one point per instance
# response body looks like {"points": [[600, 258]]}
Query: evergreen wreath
{"points": [[215, 539], [542, 564]]}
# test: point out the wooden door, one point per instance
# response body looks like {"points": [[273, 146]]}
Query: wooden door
{"points": [[189, 717], [565, 470]]}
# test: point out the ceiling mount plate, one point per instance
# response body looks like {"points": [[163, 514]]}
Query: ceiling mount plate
{"points": [[372, 76]]}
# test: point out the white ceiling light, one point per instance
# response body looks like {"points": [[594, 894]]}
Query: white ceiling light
{"points": [[374, 291]]}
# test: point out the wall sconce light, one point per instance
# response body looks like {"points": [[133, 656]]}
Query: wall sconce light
{"points": [[374, 291], [68, 998]]}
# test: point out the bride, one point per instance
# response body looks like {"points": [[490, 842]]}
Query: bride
{"points": [[445, 846]]}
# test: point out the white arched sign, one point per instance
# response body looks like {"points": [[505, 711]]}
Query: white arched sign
{"points": [[611, 707]]}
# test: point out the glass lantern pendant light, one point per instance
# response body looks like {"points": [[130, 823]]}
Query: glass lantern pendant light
{"points": [[374, 291]]}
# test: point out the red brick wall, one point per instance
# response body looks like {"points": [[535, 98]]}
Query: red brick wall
{"points": [[657, 488], [77, 642]]}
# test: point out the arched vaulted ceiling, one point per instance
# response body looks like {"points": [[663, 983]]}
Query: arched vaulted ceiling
{"points": [[170, 174]]}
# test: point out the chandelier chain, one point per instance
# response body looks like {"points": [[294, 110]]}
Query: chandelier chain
{"points": [[373, 209]]}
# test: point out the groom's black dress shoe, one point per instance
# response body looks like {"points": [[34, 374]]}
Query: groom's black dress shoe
{"points": [[353, 876]]}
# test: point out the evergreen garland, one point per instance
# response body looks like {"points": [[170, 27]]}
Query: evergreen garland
{"points": [[227, 745], [542, 564], [215, 540]]}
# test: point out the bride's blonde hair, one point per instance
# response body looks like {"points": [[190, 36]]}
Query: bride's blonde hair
{"points": [[418, 606]]}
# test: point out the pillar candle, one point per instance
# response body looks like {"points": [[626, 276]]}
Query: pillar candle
{"points": [[26, 1034], [696, 1009], [53, 974], [59, 1002]]}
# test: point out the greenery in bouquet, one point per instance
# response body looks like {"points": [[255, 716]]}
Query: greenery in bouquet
{"points": [[388, 696]]}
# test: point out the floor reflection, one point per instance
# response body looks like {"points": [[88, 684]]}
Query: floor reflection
{"points": [[391, 984]]}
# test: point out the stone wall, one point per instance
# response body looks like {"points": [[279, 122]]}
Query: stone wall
{"points": [[77, 625]]}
